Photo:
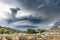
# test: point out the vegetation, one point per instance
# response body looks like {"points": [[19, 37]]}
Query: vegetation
{"points": [[31, 31], [6, 30], [41, 30]]}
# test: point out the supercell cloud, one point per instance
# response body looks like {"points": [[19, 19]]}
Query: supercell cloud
{"points": [[21, 14]]}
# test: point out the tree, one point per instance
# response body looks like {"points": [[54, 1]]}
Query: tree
{"points": [[2, 31], [30, 31], [6, 32], [41, 30]]}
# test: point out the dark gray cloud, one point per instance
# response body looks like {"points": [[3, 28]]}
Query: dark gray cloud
{"points": [[26, 26], [50, 10], [57, 23], [31, 3], [31, 19], [36, 3], [46, 12], [14, 11]]}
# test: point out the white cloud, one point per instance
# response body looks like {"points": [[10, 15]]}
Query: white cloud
{"points": [[5, 13], [27, 13], [4, 10], [40, 6]]}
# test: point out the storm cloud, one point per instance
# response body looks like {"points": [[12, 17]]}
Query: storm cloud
{"points": [[57, 23], [26, 26], [31, 19], [39, 13], [14, 11]]}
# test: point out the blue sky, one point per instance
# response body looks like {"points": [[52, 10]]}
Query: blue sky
{"points": [[23, 14]]}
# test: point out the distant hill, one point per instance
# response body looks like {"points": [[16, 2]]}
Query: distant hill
{"points": [[55, 28], [3, 29]]}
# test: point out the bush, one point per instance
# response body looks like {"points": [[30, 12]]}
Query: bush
{"points": [[30, 31]]}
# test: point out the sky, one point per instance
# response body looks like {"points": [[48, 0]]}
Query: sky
{"points": [[24, 14]]}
